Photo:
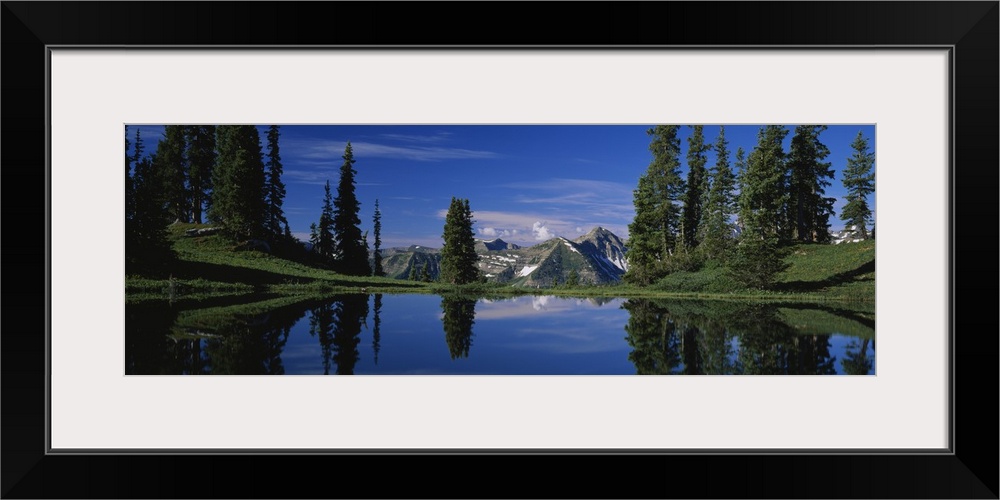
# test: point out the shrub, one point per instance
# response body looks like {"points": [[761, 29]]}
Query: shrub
{"points": [[756, 262]]}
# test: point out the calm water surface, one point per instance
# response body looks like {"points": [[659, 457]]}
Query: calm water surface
{"points": [[428, 334]]}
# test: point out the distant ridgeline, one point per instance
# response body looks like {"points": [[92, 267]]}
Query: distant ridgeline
{"points": [[597, 257]]}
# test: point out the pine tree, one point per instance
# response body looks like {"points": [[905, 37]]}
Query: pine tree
{"points": [[274, 194], [364, 241], [697, 186], [174, 172], [129, 188], [458, 255], [653, 231], [146, 244], [809, 211], [238, 182], [139, 149], [859, 180], [201, 160], [134, 161], [720, 205], [324, 244], [314, 236], [573, 279], [150, 217], [351, 255], [763, 194], [129, 201], [643, 244], [757, 261], [741, 177], [469, 236], [759, 256], [377, 254]]}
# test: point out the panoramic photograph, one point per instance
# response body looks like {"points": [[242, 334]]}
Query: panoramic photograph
{"points": [[639, 249]]}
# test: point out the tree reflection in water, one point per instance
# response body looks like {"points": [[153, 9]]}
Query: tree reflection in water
{"points": [[856, 360], [652, 334], [251, 344], [377, 327], [723, 338], [242, 339], [677, 337], [338, 323], [459, 316]]}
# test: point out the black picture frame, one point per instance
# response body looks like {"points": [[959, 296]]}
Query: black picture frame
{"points": [[971, 28]]}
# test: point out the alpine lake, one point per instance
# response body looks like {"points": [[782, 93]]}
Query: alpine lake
{"points": [[414, 334]]}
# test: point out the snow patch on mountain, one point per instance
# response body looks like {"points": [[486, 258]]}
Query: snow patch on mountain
{"points": [[850, 234], [527, 270], [570, 245], [609, 266]]}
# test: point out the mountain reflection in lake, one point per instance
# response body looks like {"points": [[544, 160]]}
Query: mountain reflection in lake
{"points": [[541, 335]]}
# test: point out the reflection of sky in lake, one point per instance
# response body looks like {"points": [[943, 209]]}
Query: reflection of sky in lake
{"points": [[524, 335], [839, 344]]}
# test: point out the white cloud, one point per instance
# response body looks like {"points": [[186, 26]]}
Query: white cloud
{"points": [[493, 232], [605, 196], [490, 218], [436, 137], [328, 153], [422, 153], [594, 202], [408, 198], [541, 232], [317, 177]]}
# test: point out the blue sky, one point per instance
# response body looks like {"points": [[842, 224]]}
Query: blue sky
{"points": [[525, 183]]}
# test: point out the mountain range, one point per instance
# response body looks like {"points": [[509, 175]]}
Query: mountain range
{"points": [[597, 257]]}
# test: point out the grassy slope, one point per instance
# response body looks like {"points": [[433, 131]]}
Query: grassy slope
{"points": [[847, 269], [820, 272], [210, 264]]}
